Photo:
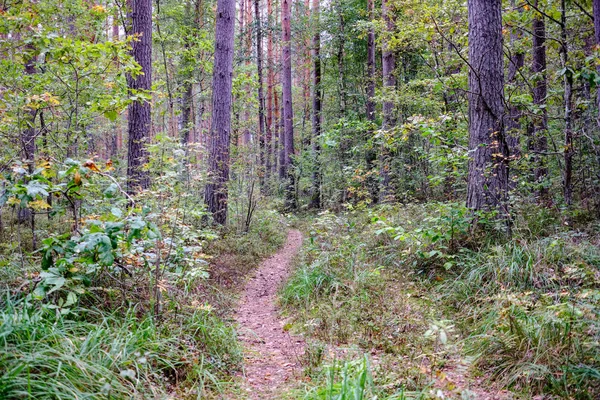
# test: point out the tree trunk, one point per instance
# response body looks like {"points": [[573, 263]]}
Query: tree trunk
{"points": [[487, 187], [288, 117], [568, 99], [316, 117], [515, 65], [540, 122], [596, 5], [139, 123], [389, 84], [216, 194], [371, 155], [270, 83], [261, 96], [28, 135]]}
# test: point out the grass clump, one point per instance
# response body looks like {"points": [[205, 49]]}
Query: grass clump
{"points": [[441, 307], [108, 355]]}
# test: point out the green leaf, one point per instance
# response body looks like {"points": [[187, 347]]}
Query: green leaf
{"points": [[111, 115], [35, 188]]}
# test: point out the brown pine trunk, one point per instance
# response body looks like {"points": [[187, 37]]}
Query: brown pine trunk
{"points": [[389, 84], [540, 122], [270, 83], [371, 156], [568, 99], [487, 187], [316, 115], [216, 194], [596, 5], [288, 117], [139, 123], [515, 65], [261, 96]]}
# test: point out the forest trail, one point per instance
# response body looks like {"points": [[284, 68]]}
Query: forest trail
{"points": [[272, 355]]}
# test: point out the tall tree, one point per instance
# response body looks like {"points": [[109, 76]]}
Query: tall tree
{"points": [[288, 116], [515, 65], [596, 7], [389, 84], [139, 123], [371, 154], [216, 193], [568, 99], [316, 115], [540, 123], [269, 105], [261, 95], [487, 187], [370, 103]]}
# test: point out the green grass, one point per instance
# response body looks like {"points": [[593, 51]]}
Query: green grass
{"points": [[109, 355], [112, 346], [525, 310]]}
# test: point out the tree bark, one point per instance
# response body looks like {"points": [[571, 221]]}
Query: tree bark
{"points": [[596, 6], [261, 96], [389, 84], [515, 65], [487, 187], [288, 117], [270, 83], [371, 156], [568, 116], [316, 117], [540, 121], [139, 121], [216, 193]]}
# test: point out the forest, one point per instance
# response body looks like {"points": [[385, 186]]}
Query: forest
{"points": [[300, 199]]}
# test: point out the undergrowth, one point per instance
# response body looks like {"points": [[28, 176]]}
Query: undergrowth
{"points": [[431, 301]]}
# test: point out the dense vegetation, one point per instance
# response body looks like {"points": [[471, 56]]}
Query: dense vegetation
{"points": [[442, 159]]}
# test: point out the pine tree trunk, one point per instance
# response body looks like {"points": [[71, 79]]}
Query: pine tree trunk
{"points": [[596, 5], [139, 123], [216, 194], [316, 117], [389, 84], [515, 65], [270, 83], [568, 99], [371, 156], [540, 121], [288, 117], [487, 187], [261, 96]]}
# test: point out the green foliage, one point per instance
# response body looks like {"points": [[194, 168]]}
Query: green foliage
{"points": [[109, 355], [534, 308], [345, 381]]}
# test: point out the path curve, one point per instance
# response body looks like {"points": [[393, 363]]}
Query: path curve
{"points": [[272, 355]]}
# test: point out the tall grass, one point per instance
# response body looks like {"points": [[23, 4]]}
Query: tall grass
{"points": [[107, 355]]}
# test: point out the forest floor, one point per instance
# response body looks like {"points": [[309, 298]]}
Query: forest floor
{"points": [[272, 355]]}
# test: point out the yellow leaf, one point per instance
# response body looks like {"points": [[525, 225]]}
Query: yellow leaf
{"points": [[39, 205]]}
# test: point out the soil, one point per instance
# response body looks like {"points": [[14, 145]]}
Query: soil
{"points": [[272, 355]]}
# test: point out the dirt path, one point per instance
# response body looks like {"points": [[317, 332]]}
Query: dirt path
{"points": [[272, 355]]}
